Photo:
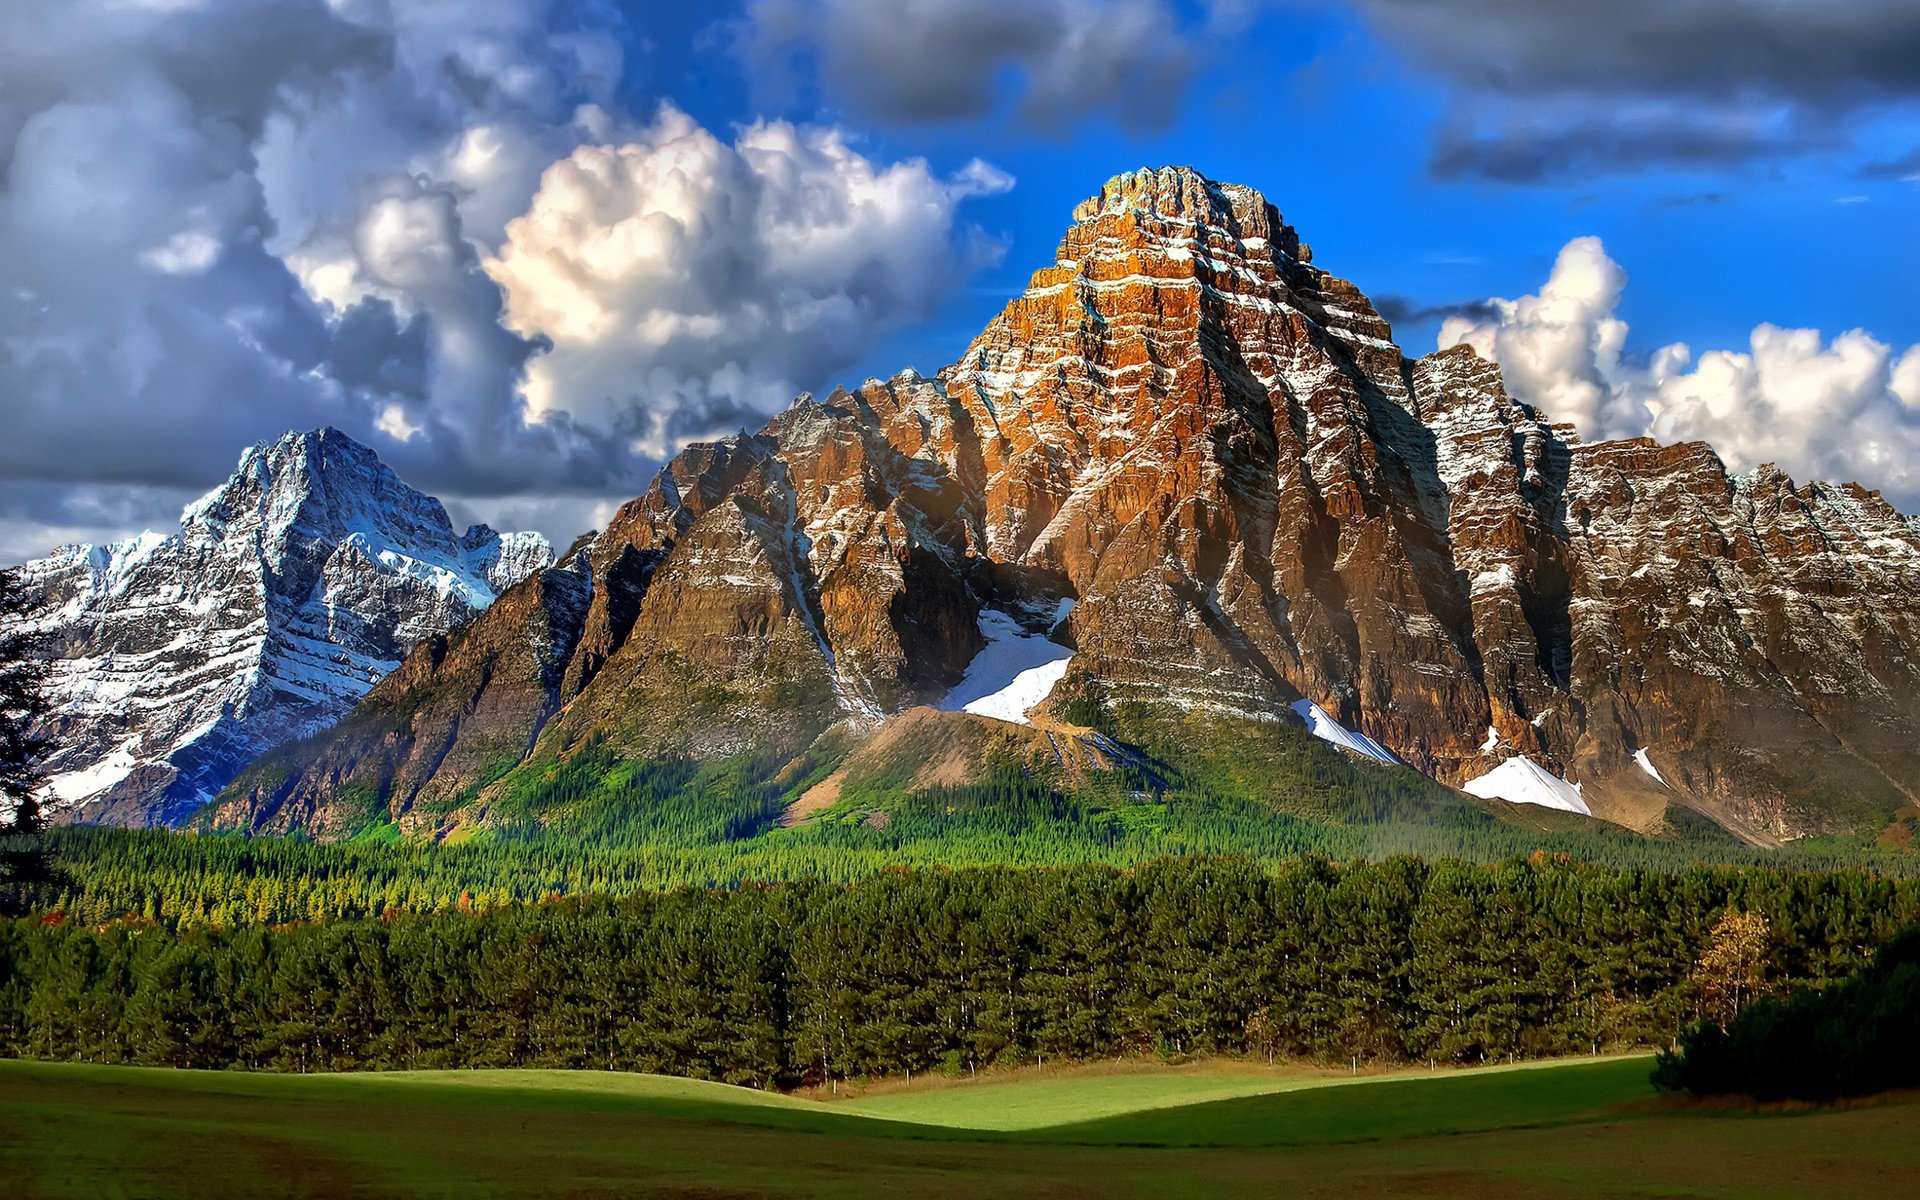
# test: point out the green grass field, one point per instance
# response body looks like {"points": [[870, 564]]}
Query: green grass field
{"points": [[1048, 1102], [1589, 1128]]}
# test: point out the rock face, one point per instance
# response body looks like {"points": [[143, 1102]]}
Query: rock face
{"points": [[287, 593], [1213, 449]]}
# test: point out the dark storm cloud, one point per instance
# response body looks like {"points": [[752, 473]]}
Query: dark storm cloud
{"points": [[1824, 52], [1403, 310], [35, 517], [1584, 144], [374, 350], [1904, 167], [935, 60], [1540, 87]]}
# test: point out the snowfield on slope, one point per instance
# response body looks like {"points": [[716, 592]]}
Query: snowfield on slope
{"points": [[1646, 764], [1324, 727], [1012, 674], [1520, 780]]}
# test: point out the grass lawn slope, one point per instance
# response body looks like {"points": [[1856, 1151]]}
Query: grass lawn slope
{"points": [[1577, 1129], [1223, 1102]]}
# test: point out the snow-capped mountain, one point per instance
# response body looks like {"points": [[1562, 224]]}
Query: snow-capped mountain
{"points": [[1198, 462], [286, 594]]}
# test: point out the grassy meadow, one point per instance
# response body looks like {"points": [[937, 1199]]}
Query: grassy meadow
{"points": [[1585, 1128]]}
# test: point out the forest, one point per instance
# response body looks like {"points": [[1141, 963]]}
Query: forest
{"points": [[772, 985], [1855, 1037]]}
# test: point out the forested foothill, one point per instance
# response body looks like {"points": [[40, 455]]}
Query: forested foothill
{"points": [[631, 831]]}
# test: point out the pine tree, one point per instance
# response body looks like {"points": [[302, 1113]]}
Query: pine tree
{"points": [[24, 863]]}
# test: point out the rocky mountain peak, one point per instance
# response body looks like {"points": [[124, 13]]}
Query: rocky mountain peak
{"points": [[1162, 268], [285, 594], [1170, 200], [320, 484]]}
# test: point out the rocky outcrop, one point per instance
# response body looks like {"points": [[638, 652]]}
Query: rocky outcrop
{"points": [[286, 594], [1207, 455]]}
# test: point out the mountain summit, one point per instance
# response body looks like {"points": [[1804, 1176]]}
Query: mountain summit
{"points": [[287, 592], [1186, 476]]}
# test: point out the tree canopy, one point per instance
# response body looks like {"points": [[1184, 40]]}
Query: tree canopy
{"points": [[1397, 960]]}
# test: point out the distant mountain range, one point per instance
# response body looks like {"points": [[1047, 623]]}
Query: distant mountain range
{"points": [[286, 594], [1182, 490]]}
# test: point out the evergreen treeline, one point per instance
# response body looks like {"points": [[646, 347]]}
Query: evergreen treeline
{"points": [[1854, 1038], [931, 970], [175, 880]]}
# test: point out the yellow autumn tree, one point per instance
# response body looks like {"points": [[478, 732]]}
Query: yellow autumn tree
{"points": [[1733, 970]]}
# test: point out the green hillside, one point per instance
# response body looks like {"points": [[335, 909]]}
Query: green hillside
{"points": [[934, 795], [1142, 783]]}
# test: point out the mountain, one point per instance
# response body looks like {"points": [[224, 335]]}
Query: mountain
{"points": [[1184, 494], [287, 593]]}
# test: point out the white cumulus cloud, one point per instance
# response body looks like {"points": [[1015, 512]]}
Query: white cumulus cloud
{"points": [[699, 280], [1840, 408]]}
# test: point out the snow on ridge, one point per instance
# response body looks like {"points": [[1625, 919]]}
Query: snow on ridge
{"points": [[1013, 672], [1324, 727], [450, 577], [1520, 780]]}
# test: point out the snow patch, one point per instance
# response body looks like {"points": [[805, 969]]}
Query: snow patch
{"points": [[1640, 756], [1061, 612], [1324, 727], [1493, 741], [72, 787], [1520, 780], [1012, 674], [1501, 577]]}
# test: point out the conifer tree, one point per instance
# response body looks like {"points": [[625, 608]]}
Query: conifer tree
{"points": [[24, 865]]}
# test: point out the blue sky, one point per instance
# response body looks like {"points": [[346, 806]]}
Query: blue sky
{"points": [[225, 218], [1337, 129]]}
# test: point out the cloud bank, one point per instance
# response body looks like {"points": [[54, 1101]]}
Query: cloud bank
{"points": [[1845, 408], [226, 218]]}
